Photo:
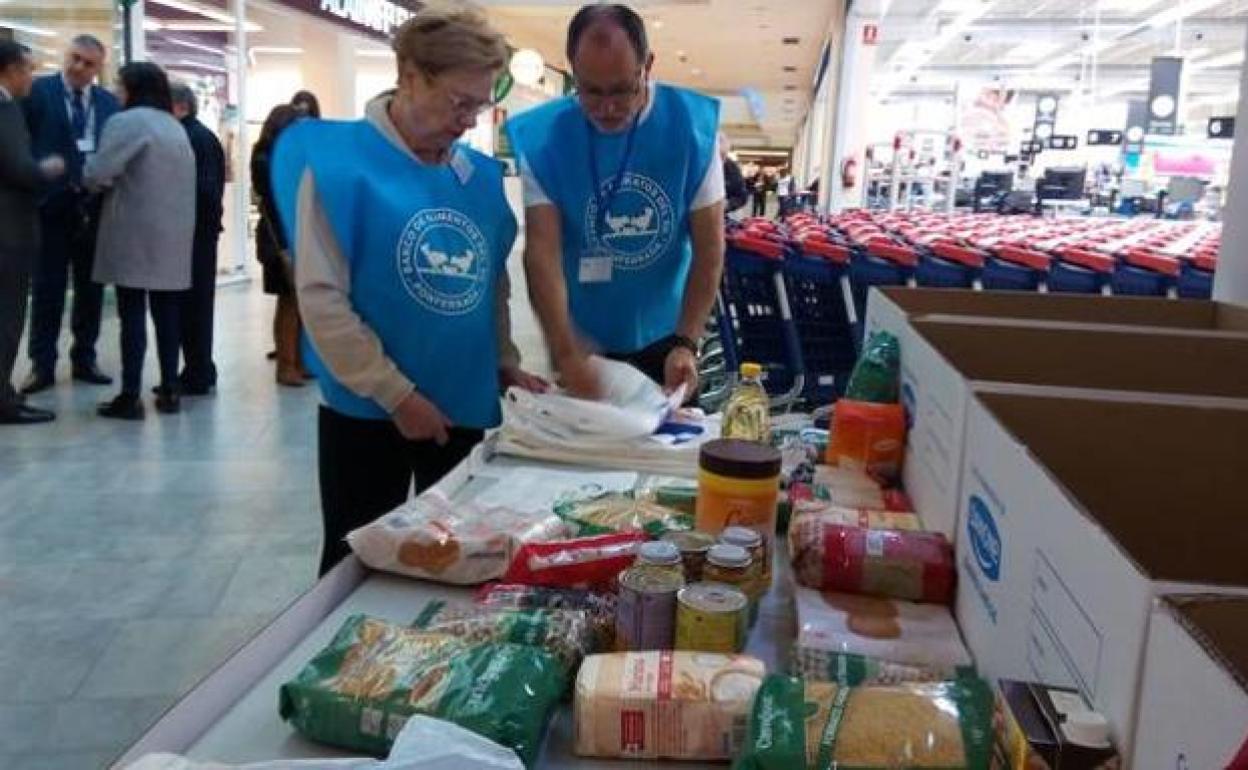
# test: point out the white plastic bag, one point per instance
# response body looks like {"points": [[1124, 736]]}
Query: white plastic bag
{"points": [[424, 743]]}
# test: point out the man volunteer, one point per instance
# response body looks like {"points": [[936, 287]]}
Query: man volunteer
{"points": [[624, 209]]}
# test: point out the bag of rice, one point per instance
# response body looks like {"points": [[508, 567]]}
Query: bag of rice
{"points": [[917, 566], [566, 634], [359, 691], [664, 704], [857, 640], [622, 512], [463, 543], [796, 725]]}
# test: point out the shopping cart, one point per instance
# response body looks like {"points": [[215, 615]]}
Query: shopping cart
{"points": [[1142, 273], [755, 321], [945, 265], [1081, 271], [880, 262], [1013, 268], [1196, 276], [816, 282]]}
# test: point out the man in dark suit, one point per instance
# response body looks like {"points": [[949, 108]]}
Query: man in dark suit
{"points": [[20, 180], [199, 373], [66, 114]]}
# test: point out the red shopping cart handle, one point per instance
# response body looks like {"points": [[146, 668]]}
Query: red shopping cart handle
{"points": [[1148, 260], [901, 255], [829, 251], [757, 246], [1092, 260], [960, 254], [1026, 257], [1207, 262]]}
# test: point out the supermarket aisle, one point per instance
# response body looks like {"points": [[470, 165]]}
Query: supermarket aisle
{"points": [[135, 557]]}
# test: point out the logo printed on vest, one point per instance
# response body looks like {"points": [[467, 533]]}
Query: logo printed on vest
{"points": [[639, 226], [444, 261]]}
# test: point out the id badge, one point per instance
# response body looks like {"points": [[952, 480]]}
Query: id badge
{"points": [[596, 268], [86, 145]]}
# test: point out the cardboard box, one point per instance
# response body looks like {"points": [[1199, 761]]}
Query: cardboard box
{"points": [[1077, 515], [1194, 701], [944, 358], [1049, 728]]}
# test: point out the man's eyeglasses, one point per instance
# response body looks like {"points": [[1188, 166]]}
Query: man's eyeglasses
{"points": [[591, 94]]}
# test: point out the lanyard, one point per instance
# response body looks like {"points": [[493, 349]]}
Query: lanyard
{"points": [[604, 198], [88, 130]]}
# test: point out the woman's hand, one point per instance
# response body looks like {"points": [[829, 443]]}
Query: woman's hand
{"points": [[418, 419], [514, 376]]}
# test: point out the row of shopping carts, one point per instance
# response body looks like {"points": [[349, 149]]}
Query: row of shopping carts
{"points": [[794, 292]]}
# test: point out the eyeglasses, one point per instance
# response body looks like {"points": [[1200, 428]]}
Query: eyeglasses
{"points": [[590, 94], [461, 106]]}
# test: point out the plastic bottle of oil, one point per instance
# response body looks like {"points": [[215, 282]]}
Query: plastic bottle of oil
{"points": [[747, 414]]}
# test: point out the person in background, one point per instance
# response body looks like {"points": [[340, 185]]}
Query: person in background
{"points": [[758, 191], [146, 164], [66, 114], [20, 179], [273, 252], [307, 104], [401, 238], [736, 193], [624, 209], [199, 373]]}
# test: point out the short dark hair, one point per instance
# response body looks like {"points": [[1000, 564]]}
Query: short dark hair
{"points": [[619, 15], [90, 41], [146, 85], [182, 94], [11, 53]]}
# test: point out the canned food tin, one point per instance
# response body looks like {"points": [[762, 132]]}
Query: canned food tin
{"points": [[645, 611], [711, 617], [693, 548]]}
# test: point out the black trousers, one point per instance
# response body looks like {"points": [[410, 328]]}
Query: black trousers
{"points": [[14, 290], [760, 204], [197, 315], [68, 228], [367, 469], [132, 307]]}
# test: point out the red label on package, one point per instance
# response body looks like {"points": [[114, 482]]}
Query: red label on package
{"points": [[632, 731]]}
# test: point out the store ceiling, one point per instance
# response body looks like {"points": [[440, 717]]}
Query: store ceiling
{"points": [[717, 46], [928, 45]]}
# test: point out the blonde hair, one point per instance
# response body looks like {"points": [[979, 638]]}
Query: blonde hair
{"points": [[455, 37]]}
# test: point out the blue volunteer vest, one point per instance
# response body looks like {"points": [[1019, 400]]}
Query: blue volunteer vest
{"points": [[425, 250], [646, 229]]}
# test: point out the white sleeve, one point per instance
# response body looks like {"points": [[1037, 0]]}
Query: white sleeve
{"points": [[534, 195], [712, 189]]}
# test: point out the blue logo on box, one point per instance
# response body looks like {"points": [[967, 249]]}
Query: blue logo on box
{"points": [[985, 539]]}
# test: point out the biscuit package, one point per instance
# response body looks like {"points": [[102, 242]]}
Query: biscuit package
{"points": [[664, 704], [796, 724], [463, 543], [616, 512], [855, 640], [813, 513], [567, 634], [358, 692], [583, 562]]}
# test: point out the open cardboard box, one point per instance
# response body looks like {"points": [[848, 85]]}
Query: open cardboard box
{"points": [[945, 357], [1194, 700], [1077, 515]]}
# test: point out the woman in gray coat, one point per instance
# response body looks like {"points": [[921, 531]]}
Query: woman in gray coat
{"points": [[146, 229]]}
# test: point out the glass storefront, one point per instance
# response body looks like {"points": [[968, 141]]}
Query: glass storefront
{"points": [[46, 28]]}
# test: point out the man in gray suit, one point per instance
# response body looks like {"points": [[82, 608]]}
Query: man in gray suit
{"points": [[20, 180]]}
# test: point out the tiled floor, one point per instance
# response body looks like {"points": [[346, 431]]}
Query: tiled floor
{"points": [[135, 557]]}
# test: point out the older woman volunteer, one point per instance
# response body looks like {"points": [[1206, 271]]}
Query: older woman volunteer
{"points": [[148, 223], [401, 237]]}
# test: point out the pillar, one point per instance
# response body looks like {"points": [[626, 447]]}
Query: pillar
{"points": [[1231, 282], [857, 65]]}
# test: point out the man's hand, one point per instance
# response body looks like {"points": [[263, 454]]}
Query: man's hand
{"points": [[419, 420], [514, 376], [52, 167], [578, 376], [681, 368]]}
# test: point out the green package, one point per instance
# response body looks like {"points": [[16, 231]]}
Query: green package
{"points": [[853, 669], [358, 692], [797, 724], [569, 635], [622, 512], [877, 375]]}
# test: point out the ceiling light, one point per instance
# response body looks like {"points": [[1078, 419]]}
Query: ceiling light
{"points": [[199, 26], [202, 66], [208, 13], [193, 45], [697, 72], [1181, 11], [276, 49], [657, 24], [527, 67], [29, 30], [374, 53]]}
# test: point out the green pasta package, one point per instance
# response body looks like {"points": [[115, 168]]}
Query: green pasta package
{"points": [[799, 724], [358, 692], [615, 512]]}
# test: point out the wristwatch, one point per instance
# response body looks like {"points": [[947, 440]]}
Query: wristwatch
{"points": [[681, 341]]}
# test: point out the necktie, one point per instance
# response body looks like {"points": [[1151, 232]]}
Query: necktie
{"points": [[79, 115]]}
